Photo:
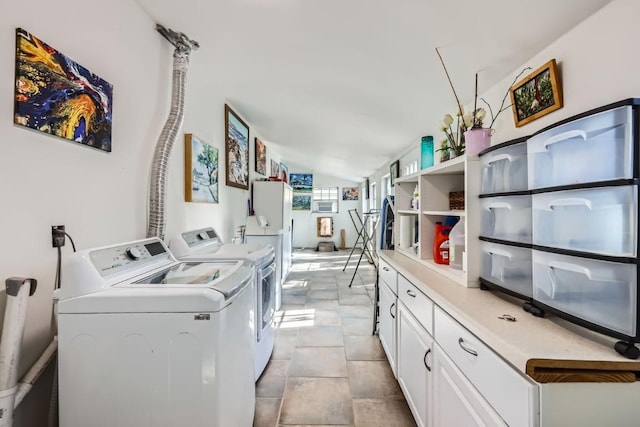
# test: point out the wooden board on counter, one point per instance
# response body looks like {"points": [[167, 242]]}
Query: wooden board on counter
{"points": [[576, 371]]}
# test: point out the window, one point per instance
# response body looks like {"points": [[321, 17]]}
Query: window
{"points": [[411, 168], [325, 199]]}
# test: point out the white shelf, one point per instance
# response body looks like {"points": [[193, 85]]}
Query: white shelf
{"points": [[449, 167], [413, 178], [456, 275], [446, 213], [409, 253], [408, 212]]}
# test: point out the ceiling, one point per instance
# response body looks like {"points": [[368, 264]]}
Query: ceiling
{"points": [[343, 86]]}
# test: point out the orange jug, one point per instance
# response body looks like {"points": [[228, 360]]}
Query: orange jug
{"points": [[441, 244]]}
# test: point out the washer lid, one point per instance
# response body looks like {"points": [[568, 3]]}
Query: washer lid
{"points": [[255, 254], [193, 275], [128, 297]]}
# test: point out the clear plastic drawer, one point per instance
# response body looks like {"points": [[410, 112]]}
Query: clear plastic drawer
{"points": [[594, 148], [601, 292], [506, 218], [507, 266], [504, 169], [600, 220]]}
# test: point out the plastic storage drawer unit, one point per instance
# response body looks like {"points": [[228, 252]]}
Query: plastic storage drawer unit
{"points": [[595, 148], [597, 220], [506, 218], [600, 292], [504, 169], [508, 267]]}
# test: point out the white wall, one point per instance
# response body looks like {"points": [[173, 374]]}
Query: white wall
{"points": [[100, 197], [598, 65], [304, 222]]}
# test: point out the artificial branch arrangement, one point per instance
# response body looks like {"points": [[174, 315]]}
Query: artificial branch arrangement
{"points": [[455, 140]]}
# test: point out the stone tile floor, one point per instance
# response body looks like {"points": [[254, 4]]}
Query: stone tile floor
{"points": [[327, 368]]}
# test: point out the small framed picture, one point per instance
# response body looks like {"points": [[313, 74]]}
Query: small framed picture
{"points": [[236, 150], [261, 157], [394, 170], [200, 170], [537, 94]]}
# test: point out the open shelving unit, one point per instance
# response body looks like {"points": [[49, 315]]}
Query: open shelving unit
{"points": [[416, 228]]}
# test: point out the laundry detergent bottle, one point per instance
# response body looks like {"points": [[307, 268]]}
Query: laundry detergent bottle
{"points": [[441, 244]]}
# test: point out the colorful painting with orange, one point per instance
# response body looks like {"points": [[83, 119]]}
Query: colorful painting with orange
{"points": [[55, 95]]}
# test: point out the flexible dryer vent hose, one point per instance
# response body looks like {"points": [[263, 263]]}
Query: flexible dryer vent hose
{"points": [[159, 167]]}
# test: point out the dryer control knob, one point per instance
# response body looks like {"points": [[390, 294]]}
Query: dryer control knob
{"points": [[202, 236], [133, 253]]}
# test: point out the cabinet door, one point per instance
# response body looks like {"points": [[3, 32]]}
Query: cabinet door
{"points": [[387, 319], [414, 365], [455, 401]]}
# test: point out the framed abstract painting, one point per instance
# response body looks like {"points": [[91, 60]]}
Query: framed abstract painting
{"points": [[55, 95], [237, 149]]}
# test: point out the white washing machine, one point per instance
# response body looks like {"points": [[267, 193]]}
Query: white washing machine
{"points": [[205, 245], [145, 340]]}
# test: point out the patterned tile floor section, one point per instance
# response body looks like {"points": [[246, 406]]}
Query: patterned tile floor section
{"points": [[327, 368]]}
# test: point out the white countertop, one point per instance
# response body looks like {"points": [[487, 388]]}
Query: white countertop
{"points": [[518, 342]]}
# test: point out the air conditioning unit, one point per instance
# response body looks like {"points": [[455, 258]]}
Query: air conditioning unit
{"points": [[325, 207]]}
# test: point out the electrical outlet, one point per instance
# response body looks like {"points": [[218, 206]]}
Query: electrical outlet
{"points": [[57, 236]]}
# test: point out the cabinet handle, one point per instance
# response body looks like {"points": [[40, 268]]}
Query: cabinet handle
{"points": [[385, 268], [424, 359], [411, 294], [466, 348], [391, 308]]}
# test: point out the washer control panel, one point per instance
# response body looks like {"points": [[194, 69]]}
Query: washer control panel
{"points": [[198, 237], [117, 259]]}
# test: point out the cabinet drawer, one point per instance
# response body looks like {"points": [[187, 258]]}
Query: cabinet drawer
{"points": [[389, 275], [508, 392], [598, 148], [418, 303], [507, 266], [506, 218], [504, 169], [599, 220], [601, 292]]}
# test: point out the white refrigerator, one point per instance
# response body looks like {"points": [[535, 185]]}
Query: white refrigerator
{"points": [[272, 205]]}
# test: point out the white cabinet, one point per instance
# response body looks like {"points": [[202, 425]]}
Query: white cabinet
{"points": [[506, 390], [407, 221], [415, 361], [456, 402], [415, 229], [387, 323]]}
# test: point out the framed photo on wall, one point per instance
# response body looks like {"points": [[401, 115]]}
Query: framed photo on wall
{"points": [[394, 171], [236, 144], [200, 170], [536, 95], [261, 157]]}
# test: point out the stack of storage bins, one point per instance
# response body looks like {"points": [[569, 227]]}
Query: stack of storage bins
{"points": [[505, 220], [583, 175]]}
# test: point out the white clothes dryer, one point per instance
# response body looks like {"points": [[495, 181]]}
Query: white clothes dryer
{"points": [[145, 340], [204, 245]]}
